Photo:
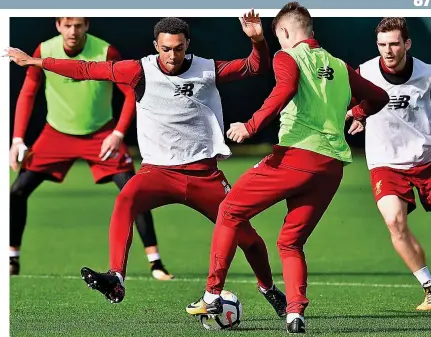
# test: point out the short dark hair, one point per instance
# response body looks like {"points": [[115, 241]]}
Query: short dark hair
{"points": [[86, 20], [295, 10], [391, 24], [171, 26]]}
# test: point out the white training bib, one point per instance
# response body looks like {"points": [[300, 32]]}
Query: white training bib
{"points": [[399, 136], [180, 118]]}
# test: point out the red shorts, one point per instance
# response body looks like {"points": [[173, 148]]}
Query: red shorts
{"points": [[54, 153], [389, 181]]}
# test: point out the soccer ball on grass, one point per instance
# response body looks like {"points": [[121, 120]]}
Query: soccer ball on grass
{"points": [[231, 316]]}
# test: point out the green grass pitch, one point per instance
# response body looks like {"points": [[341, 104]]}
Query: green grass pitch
{"points": [[358, 286]]}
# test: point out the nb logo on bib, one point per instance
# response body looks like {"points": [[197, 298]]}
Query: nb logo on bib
{"points": [[186, 89], [398, 102], [327, 73]]}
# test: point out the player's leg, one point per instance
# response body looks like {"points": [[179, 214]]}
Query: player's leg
{"points": [[305, 211], [47, 159], [120, 169], [25, 183], [151, 187], [395, 199], [253, 246], [394, 212], [273, 179], [145, 226], [421, 178], [257, 189]]}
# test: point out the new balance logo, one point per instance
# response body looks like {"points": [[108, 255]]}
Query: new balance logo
{"points": [[185, 89], [226, 187], [327, 73], [398, 102]]}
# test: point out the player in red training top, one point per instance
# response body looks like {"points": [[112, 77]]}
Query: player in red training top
{"points": [[181, 137], [79, 126], [312, 92]]}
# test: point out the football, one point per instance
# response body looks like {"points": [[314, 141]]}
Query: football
{"points": [[231, 316]]}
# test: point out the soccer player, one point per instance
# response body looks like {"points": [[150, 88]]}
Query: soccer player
{"points": [[312, 92], [181, 137], [79, 126], [398, 142]]}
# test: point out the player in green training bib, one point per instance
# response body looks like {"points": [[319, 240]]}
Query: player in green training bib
{"points": [[79, 125], [300, 126], [312, 93]]}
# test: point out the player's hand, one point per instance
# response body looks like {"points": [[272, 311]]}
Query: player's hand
{"points": [[19, 57], [111, 145], [237, 132], [252, 26], [17, 153], [356, 127]]}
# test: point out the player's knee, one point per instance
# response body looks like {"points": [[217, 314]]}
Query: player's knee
{"points": [[124, 199], [223, 210], [231, 215], [394, 213], [18, 191], [291, 242], [223, 207], [290, 249], [248, 237], [397, 226]]}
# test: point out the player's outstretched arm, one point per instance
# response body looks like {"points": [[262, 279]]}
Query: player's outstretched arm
{"points": [[287, 79], [123, 72], [21, 58], [257, 62]]}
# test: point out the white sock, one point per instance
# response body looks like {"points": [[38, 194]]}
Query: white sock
{"points": [[153, 257], [14, 253], [120, 277], [266, 290], [423, 275], [209, 298], [291, 317]]}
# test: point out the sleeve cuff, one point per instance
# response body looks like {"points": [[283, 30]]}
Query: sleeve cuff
{"points": [[358, 113], [249, 129], [46, 62], [118, 134], [17, 140]]}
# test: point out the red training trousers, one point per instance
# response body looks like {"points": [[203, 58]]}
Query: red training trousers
{"points": [[203, 190], [307, 181]]}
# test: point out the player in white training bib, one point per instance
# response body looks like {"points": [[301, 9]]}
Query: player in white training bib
{"points": [[398, 142], [180, 134]]}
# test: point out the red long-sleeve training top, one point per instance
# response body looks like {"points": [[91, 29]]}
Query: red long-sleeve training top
{"points": [[287, 80], [34, 79]]}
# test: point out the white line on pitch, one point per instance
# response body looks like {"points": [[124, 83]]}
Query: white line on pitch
{"points": [[143, 278]]}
